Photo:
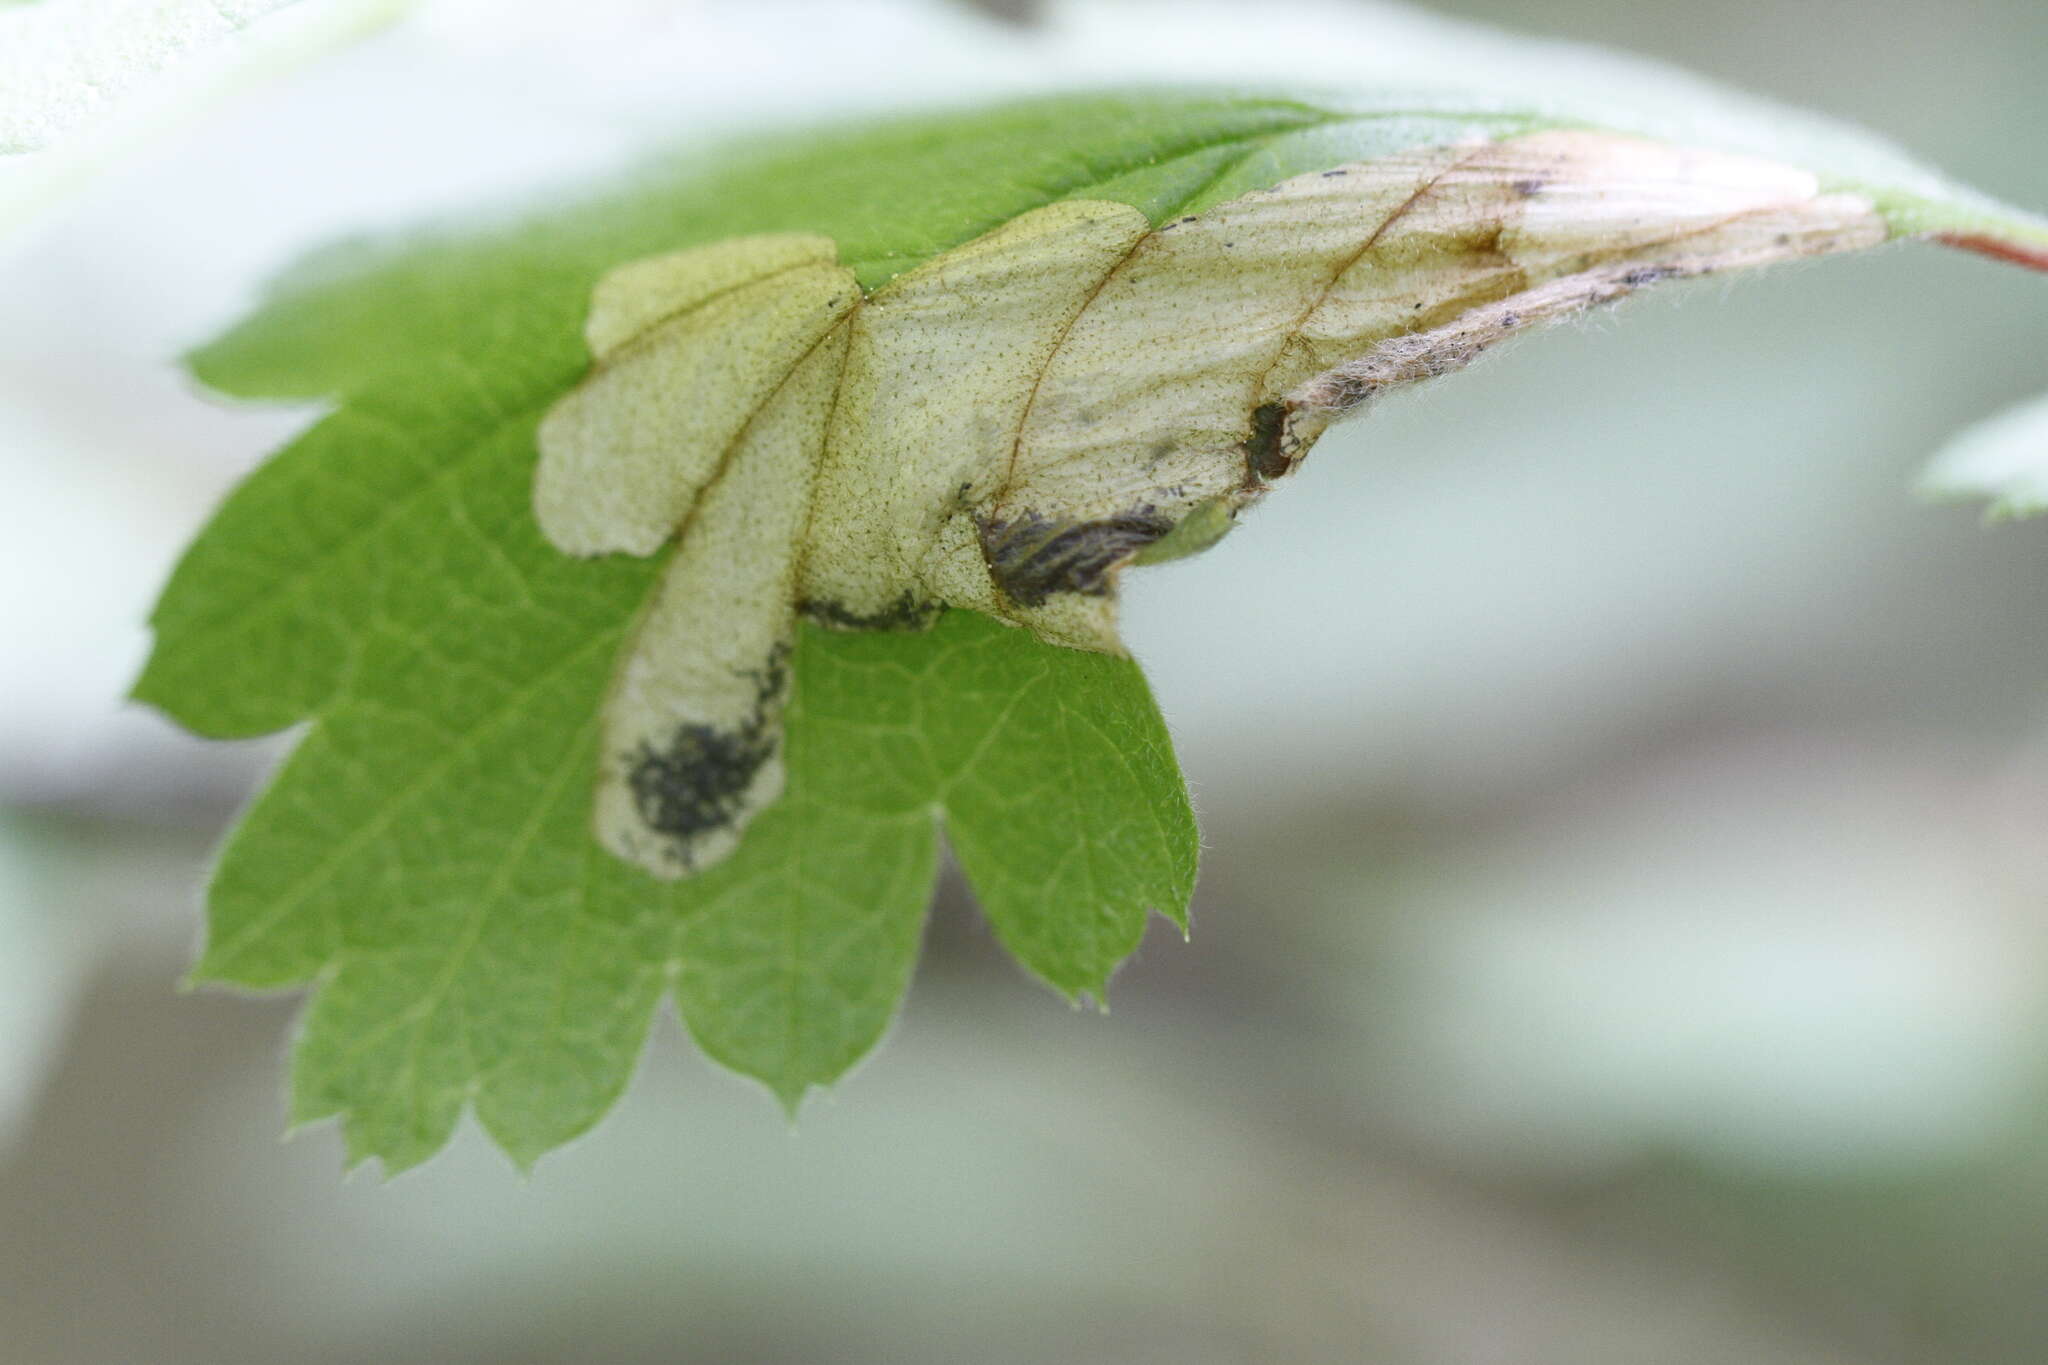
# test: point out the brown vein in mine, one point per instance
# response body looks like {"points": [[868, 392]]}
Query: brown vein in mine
{"points": [[1031, 399], [1373, 239], [631, 637], [1644, 255], [1422, 191], [800, 562], [1037, 380]]}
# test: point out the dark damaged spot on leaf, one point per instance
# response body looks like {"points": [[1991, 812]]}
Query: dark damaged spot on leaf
{"points": [[1653, 274], [1265, 460], [1031, 557], [700, 779], [907, 612]]}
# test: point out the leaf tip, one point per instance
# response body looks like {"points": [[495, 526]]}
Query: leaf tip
{"points": [[1087, 995], [1174, 910], [789, 1097], [525, 1157]]}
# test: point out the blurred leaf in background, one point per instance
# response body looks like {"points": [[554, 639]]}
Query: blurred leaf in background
{"points": [[2002, 460], [85, 84]]}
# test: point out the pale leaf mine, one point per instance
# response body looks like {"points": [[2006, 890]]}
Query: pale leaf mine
{"points": [[1009, 425]]}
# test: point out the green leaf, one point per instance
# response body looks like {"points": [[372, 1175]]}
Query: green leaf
{"points": [[425, 856], [475, 944]]}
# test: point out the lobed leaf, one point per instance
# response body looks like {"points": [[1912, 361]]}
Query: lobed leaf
{"points": [[425, 856]]}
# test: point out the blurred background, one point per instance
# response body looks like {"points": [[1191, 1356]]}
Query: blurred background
{"points": [[1623, 934]]}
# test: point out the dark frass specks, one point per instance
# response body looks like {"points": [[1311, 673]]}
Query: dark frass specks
{"points": [[1033, 557], [701, 779]]}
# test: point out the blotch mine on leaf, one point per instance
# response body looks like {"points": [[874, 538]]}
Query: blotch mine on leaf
{"points": [[642, 452], [688, 347], [1008, 426]]}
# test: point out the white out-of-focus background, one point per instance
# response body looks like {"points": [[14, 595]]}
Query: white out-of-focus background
{"points": [[1624, 927]]}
